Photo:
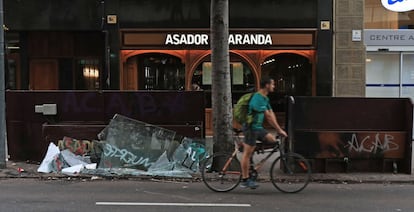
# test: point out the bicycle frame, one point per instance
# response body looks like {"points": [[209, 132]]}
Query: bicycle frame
{"points": [[275, 149], [258, 166]]}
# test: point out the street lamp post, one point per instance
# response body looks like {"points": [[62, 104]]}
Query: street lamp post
{"points": [[2, 93]]}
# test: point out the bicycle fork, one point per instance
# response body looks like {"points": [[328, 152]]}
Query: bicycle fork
{"points": [[228, 162], [287, 164]]}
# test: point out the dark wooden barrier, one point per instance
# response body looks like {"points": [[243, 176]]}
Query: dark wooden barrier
{"points": [[81, 114], [353, 134]]}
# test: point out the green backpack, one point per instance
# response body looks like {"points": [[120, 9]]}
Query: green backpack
{"points": [[241, 110]]}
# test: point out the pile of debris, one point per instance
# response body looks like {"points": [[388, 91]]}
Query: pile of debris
{"points": [[129, 147]]}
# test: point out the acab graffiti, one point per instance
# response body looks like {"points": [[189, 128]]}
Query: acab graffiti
{"points": [[369, 144], [362, 144]]}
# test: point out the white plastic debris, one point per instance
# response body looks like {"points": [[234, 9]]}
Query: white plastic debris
{"points": [[96, 178], [72, 159], [91, 166], [73, 170], [46, 165]]}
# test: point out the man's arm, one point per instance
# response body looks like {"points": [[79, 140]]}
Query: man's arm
{"points": [[271, 118]]}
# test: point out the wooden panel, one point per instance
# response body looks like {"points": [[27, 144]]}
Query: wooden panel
{"points": [[131, 74], [293, 39], [66, 44], [133, 39], [38, 45], [209, 121], [50, 44], [44, 75], [89, 44], [176, 109], [61, 44]]}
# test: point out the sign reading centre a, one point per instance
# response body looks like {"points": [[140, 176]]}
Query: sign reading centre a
{"points": [[389, 37], [398, 5]]}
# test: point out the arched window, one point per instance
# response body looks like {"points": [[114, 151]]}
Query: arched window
{"points": [[242, 78], [160, 72]]}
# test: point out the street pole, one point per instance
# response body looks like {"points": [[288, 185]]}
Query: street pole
{"points": [[221, 78], [2, 93]]}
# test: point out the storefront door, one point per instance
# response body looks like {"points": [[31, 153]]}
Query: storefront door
{"points": [[390, 74], [407, 75]]}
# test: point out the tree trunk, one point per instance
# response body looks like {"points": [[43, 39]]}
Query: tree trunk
{"points": [[221, 82]]}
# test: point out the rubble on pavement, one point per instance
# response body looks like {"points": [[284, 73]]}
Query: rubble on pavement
{"points": [[128, 147]]}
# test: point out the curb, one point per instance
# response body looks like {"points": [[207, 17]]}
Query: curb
{"points": [[337, 179]]}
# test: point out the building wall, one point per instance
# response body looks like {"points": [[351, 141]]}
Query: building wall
{"points": [[90, 16], [349, 59]]}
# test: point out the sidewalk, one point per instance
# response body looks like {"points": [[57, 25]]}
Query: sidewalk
{"points": [[30, 171]]}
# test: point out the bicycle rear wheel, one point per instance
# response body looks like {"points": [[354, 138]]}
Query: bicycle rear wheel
{"points": [[290, 173], [221, 172]]}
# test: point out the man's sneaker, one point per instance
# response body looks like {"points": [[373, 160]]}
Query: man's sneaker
{"points": [[249, 184]]}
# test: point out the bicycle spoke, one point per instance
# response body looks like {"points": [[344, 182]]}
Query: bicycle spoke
{"points": [[224, 180], [290, 173]]}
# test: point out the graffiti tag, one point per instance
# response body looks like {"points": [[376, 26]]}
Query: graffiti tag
{"points": [[194, 154], [79, 147], [125, 156], [375, 145]]}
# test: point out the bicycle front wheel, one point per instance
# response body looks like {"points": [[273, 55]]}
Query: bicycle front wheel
{"points": [[221, 172], [290, 173]]}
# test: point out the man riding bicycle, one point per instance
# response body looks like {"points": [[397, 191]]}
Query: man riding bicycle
{"points": [[260, 108]]}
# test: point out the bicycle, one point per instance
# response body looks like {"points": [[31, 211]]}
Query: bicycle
{"points": [[289, 173]]}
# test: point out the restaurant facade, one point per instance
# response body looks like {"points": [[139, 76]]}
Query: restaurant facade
{"points": [[164, 45], [86, 60]]}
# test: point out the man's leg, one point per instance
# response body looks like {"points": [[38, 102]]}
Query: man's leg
{"points": [[245, 162], [269, 137], [246, 181], [249, 146]]}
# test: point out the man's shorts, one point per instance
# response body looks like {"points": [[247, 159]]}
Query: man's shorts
{"points": [[251, 136]]}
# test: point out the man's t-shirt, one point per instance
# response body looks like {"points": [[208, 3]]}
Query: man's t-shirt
{"points": [[257, 106]]}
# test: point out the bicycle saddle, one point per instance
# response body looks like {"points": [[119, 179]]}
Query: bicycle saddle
{"points": [[237, 131]]}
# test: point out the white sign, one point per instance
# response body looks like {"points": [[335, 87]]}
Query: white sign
{"points": [[203, 39], [356, 35], [186, 39], [398, 5], [389, 37]]}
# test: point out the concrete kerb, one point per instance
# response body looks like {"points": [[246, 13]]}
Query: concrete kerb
{"points": [[30, 172]]}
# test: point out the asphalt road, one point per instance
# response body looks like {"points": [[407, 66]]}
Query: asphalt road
{"points": [[61, 195]]}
